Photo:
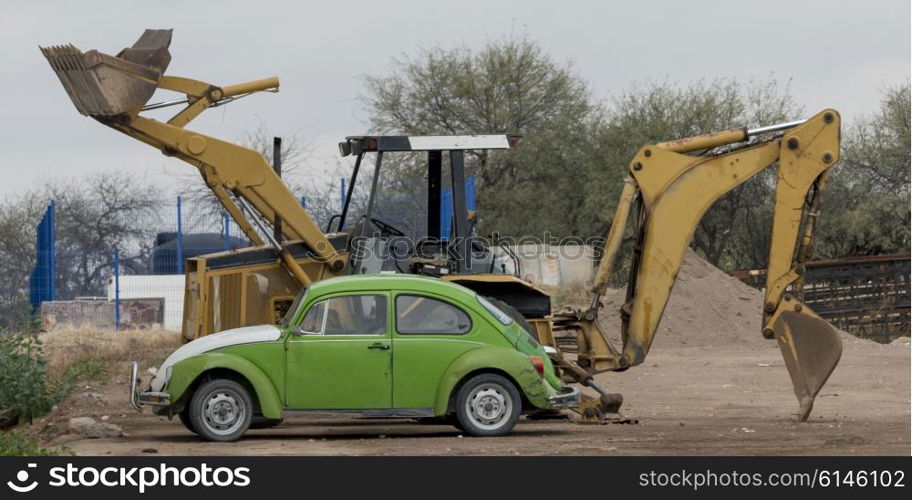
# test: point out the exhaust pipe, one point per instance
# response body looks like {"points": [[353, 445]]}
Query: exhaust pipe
{"points": [[101, 85]]}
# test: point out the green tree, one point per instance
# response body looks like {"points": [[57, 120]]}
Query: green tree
{"points": [[566, 173], [728, 235], [509, 86], [866, 206]]}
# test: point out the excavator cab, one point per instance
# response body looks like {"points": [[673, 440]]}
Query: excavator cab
{"points": [[487, 265], [430, 249]]}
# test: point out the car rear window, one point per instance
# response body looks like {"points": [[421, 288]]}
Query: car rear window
{"points": [[416, 315], [501, 316]]}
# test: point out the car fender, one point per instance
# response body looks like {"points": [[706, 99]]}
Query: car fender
{"points": [[508, 360], [186, 371]]}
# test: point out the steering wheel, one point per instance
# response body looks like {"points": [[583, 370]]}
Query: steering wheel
{"points": [[386, 229]]}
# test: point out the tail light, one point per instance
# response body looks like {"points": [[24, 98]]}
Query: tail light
{"points": [[539, 365]]}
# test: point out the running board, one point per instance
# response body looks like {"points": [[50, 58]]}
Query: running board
{"points": [[395, 413]]}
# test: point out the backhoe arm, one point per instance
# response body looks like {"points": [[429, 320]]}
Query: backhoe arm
{"points": [[114, 91], [672, 191]]}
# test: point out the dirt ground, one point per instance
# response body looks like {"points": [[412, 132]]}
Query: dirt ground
{"points": [[686, 401]]}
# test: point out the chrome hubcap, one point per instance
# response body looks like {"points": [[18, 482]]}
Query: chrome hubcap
{"points": [[489, 406], [223, 412]]}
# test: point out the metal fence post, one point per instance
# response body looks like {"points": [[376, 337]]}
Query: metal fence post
{"points": [[117, 289], [277, 168], [341, 193], [52, 251], [180, 239], [227, 223]]}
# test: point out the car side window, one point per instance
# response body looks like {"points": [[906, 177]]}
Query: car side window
{"points": [[346, 315], [423, 315], [313, 321]]}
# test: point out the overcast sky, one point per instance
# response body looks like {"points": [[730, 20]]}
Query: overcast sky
{"points": [[838, 54]]}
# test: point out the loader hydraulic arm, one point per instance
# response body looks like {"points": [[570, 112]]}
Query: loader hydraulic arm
{"points": [[114, 91], [671, 191]]}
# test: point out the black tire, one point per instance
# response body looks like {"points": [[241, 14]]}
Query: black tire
{"points": [[433, 421], [221, 410], [453, 420], [513, 313], [184, 417], [261, 422], [448, 419], [488, 405]]}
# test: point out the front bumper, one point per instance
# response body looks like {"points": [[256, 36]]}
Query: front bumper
{"points": [[138, 399], [568, 397]]}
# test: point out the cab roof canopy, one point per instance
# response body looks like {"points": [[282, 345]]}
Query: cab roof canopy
{"points": [[435, 146], [364, 143]]}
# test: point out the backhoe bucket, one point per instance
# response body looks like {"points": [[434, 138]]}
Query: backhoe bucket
{"points": [[811, 349], [101, 85]]}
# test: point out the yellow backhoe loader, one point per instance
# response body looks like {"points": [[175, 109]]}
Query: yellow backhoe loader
{"points": [[669, 188]]}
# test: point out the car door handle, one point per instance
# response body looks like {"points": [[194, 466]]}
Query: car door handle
{"points": [[382, 347]]}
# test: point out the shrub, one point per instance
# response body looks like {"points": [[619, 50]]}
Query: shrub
{"points": [[24, 383], [15, 444]]}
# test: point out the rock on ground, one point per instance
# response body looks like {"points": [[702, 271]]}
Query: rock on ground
{"points": [[90, 399], [87, 426]]}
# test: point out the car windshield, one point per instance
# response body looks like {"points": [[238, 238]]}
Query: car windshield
{"points": [[289, 314]]}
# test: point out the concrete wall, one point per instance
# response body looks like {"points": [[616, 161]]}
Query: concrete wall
{"points": [[169, 287], [142, 312], [555, 265]]}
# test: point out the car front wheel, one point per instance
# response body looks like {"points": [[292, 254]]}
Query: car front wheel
{"points": [[221, 410], [184, 417], [488, 405]]}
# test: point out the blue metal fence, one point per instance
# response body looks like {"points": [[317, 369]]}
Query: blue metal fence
{"points": [[42, 284], [93, 262]]}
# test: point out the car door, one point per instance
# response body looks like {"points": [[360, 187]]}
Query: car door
{"points": [[340, 355], [430, 333]]}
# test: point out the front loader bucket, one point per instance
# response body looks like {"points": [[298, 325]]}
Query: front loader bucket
{"points": [[811, 349], [101, 85]]}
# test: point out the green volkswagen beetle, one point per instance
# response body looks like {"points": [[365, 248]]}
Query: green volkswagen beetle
{"points": [[381, 345]]}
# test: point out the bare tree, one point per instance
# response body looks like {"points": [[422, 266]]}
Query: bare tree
{"points": [[94, 215]]}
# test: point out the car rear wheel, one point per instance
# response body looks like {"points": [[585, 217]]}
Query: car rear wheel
{"points": [[221, 410], [488, 405]]}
